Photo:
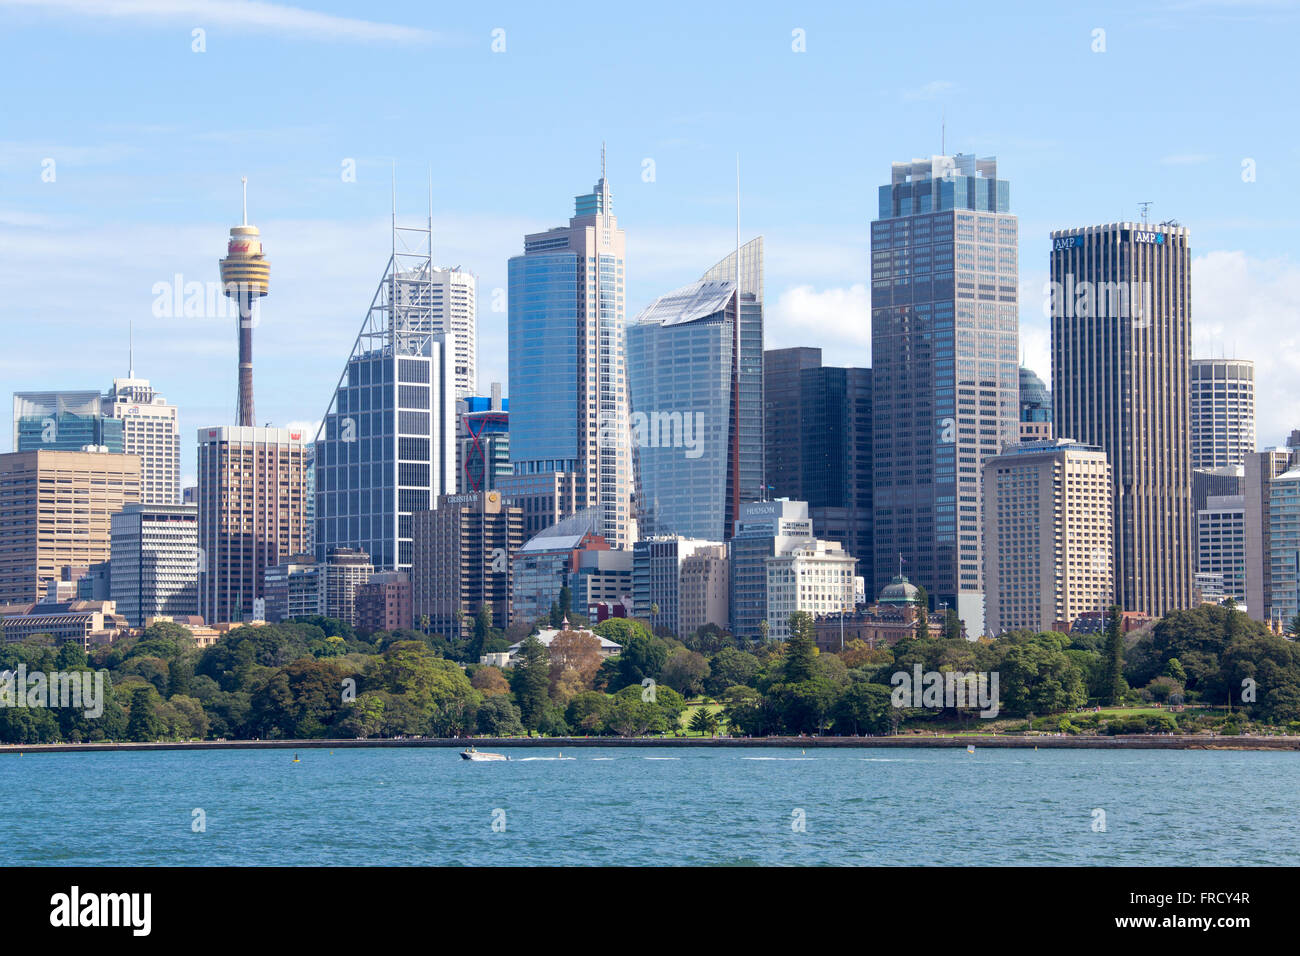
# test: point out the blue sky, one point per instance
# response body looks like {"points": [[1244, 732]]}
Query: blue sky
{"points": [[149, 138]]}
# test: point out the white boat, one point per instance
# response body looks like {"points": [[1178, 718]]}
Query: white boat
{"points": [[470, 753]]}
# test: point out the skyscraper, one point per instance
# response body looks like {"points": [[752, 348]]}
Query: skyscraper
{"points": [[695, 372], [1260, 469], [251, 512], [764, 529], [1035, 407], [455, 314], [1047, 535], [945, 378], [568, 387], [55, 509], [835, 410], [65, 421], [1223, 412], [245, 277], [783, 426], [482, 441], [150, 430], [1121, 340], [155, 561], [387, 445]]}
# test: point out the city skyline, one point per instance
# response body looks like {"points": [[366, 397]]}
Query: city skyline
{"points": [[172, 196]]}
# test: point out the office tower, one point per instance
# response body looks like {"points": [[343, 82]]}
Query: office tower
{"points": [[837, 453], [1207, 482], [151, 431], [55, 509], [763, 529], [1035, 407], [155, 561], [65, 421], [1121, 339], [1260, 469], [784, 428], [1283, 566], [945, 377], [1221, 549], [346, 569], [657, 576], [483, 441], [1223, 412], [812, 576], [245, 278], [387, 444], [293, 588], [568, 389], [455, 305], [695, 373], [546, 498], [252, 515], [704, 590], [95, 583], [384, 602], [1047, 535], [463, 552]]}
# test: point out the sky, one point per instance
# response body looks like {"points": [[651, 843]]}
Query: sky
{"points": [[127, 125]]}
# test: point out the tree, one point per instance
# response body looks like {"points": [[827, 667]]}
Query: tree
{"points": [[531, 682], [578, 652], [800, 649], [863, 708], [704, 721], [763, 628], [497, 717], [951, 626], [144, 724], [490, 681], [730, 667], [1115, 685], [922, 614], [686, 672]]}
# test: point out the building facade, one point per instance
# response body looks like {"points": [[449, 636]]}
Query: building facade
{"points": [[150, 431], [1223, 412], [154, 568], [294, 588], [384, 603], [813, 576], [945, 371], [345, 571], [568, 384], [657, 577], [463, 553], [65, 421], [1221, 549], [783, 423], [252, 489], [1047, 536], [1121, 353], [55, 513], [764, 528], [1284, 548], [704, 590], [483, 441], [1260, 469], [1035, 407], [455, 315]]}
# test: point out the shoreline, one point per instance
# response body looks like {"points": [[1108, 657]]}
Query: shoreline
{"points": [[1117, 742]]}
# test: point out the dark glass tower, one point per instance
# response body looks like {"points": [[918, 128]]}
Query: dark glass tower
{"points": [[945, 382]]}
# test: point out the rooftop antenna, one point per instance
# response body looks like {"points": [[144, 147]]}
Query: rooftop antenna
{"points": [[244, 181], [1145, 206], [943, 132], [130, 339], [394, 207], [431, 216]]}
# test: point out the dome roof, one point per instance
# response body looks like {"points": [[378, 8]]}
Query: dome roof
{"points": [[899, 591]]}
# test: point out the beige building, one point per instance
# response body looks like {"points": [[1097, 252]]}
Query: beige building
{"points": [[702, 592], [814, 576], [55, 513], [1047, 536], [150, 429], [346, 571], [252, 514]]}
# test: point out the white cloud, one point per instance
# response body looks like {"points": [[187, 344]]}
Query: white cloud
{"points": [[838, 320], [929, 91], [250, 15]]}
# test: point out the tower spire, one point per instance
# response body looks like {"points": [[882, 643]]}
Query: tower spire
{"points": [[130, 348], [244, 181]]}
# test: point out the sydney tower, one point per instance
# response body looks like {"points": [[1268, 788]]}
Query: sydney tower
{"points": [[245, 276]]}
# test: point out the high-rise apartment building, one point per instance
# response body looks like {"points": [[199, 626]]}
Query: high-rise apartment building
{"points": [[155, 561], [55, 513], [345, 571], [252, 486], [1221, 548], [568, 383], [1284, 547], [463, 552], [945, 372], [455, 308], [1121, 353], [1223, 412], [1047, 536], [695, 367], [387, 445], [151, 431]]}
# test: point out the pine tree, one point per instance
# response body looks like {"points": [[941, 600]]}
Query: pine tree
{"points": [[1114, 655], [532, 681], [922, 614], [801, 648]]}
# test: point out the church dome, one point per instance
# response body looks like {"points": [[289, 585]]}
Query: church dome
{"points": [[899, 591]]}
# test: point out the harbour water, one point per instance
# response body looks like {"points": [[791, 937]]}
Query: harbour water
{"points": [[651, 807]]}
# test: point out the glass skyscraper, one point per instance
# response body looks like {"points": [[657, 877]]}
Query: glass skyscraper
{"points": [[945, 379], [65, 421], [387, 444], [568, 388], [696, 381]]}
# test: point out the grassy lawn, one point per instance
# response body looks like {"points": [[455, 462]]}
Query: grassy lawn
{"points": [[690, 710]]}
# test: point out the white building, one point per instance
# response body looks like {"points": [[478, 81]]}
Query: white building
{"points": [[507, 657], [154, 565], [1223, 412], [812, 575], [150, 430], [455, 303]]}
